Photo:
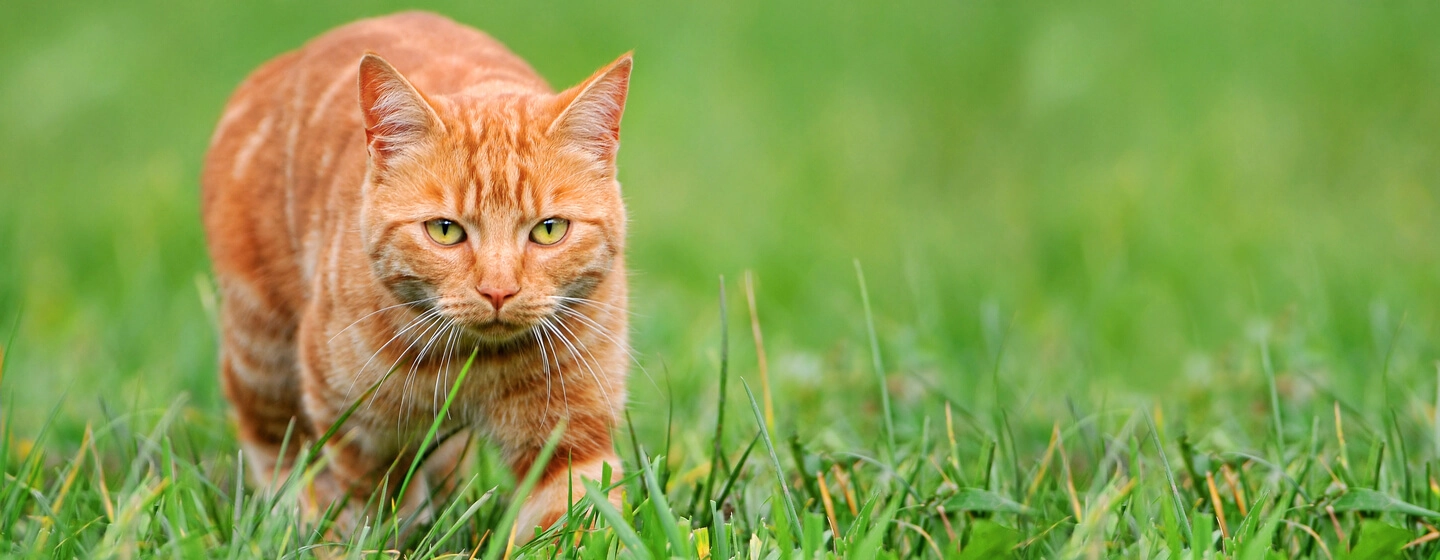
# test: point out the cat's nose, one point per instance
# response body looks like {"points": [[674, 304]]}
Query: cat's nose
{"points": [[497, 295]]}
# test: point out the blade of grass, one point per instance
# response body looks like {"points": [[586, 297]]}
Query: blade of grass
{"points": [[319, 444], [623, 530], [870, 546], [440, 416], [678, 544], [5, 350], [792, 516], [735, 471], [669, 428], [1177, 502], [532, 477], [432, 550], [878, 364], [759, 349], [1435, 419], [1404, 458], [717, 444], [722, 533], [1274, 400]]}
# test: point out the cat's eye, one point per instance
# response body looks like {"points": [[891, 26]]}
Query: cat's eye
{"points": [[445, 232], [550, 231]]}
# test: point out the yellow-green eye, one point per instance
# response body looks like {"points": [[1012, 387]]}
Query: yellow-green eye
{"points": [[445, 232], [550, 231]]}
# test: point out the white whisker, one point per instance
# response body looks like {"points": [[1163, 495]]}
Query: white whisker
{"points": [[372, 313], [603, 391], [430, 323], [544, 367], [434, 321], [444, 325], [412, 324], [602, 331], [443, 372], [564, 395], [607, 307]]}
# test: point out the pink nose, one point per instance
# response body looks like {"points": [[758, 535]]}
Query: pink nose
{"points": [[496, 295]]}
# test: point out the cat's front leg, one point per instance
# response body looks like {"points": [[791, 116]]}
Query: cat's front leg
{"points": [[562, 482], [363, 482], [584, 450], [364, 467]]}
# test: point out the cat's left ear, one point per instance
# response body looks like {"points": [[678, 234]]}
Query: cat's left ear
{"points": [[590, 120], [397, 116]]}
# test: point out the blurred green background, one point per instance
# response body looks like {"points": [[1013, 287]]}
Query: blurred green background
{"points": [[1116, 202]]}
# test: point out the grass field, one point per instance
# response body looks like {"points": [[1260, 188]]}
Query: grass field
{"points": [[1140, 279]]}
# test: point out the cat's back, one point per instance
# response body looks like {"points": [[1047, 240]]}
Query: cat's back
{"points": [[288, 154], [437, 54]]}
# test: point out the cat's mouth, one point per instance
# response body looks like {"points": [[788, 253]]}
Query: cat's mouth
{"points": [[497, 330], [490, 326]]}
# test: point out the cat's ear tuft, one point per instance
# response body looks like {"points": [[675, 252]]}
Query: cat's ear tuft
{"points": [[397, 116], [590, 120]]}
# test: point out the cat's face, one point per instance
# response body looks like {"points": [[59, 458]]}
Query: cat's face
{"points": [[493, 213]]}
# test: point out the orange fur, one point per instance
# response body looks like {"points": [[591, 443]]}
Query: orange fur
{"points": [[314, 211]]}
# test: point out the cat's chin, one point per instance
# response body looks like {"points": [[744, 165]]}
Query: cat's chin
{"points": [[498, 332]]}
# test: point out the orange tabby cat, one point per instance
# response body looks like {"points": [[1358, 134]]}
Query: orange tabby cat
{"points": [[461, 206]]}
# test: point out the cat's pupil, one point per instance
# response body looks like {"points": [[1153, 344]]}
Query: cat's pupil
{"points": [[444, 228], [549, 226]]}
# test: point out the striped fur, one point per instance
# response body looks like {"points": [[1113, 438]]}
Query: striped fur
{"points": [[314, 211]]}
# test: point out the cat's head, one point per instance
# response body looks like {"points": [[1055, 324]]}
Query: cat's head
{"points": [[493, 210]]}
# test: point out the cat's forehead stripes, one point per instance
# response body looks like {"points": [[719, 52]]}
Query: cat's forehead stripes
{"points": [[498, 144]]}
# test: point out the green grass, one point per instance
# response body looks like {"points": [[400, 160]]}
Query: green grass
{"points": [[1112, 251]]}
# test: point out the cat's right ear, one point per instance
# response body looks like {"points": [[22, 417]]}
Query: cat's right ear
{"points": [[397, 116]]}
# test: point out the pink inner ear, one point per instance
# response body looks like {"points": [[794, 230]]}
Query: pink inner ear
{"points": [[592, 120], [396, 115]]}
